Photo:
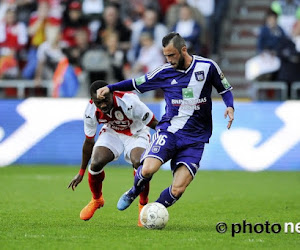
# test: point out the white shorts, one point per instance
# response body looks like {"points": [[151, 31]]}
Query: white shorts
{"points": [[119, 143]]}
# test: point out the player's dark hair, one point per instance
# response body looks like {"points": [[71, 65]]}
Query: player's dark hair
{"points": [[97, 85], [175, 38]]}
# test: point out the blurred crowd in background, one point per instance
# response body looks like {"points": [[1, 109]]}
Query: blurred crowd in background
{"points": [[278, 44], [72, 43]]}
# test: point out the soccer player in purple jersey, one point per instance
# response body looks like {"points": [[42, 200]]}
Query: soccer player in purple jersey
{"points": [[186, 127]]}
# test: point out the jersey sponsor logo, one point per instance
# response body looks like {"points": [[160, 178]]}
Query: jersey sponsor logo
{"points": [[145, 116], [174, 82], [140, 80], [194, 107], [177, 102], [199, 75], [187, 93], [87, 116], [189, 104], [102, 120], [119, 125], [119, 115]]}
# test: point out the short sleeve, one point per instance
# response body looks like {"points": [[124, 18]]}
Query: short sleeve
{"points": [[218, 79], [90, 121]]}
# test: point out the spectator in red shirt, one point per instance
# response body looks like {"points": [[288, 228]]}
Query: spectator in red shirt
{"points": [[38, 22], [73, 20], [13, 37]]}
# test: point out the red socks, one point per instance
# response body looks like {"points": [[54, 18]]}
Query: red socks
{"points": [[95, 182]]}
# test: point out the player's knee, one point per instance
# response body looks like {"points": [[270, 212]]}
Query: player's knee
{"points": [[147, 172], [97, 165], [177, 191]]}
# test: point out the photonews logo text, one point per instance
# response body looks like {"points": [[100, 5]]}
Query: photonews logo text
{"points": [[266, 227]]}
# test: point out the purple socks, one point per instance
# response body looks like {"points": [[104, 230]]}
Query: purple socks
{"points": [[166, 198]]}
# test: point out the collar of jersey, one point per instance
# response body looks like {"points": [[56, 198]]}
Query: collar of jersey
{"points": [[188, 69]]}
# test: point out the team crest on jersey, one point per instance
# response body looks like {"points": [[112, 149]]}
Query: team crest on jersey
{"points": [[119, 115], [199, 75], [155, 149]]}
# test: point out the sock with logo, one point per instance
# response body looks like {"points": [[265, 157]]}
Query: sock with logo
{"points": [[144, 194], [166, 197], [139, 182]]}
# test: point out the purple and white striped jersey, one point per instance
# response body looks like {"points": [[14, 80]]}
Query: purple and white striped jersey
{"points": [[188, 96]]}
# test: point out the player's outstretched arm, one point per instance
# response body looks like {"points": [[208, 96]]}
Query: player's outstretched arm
{"points": [[230, 113], [153, 123], [87, 150]]}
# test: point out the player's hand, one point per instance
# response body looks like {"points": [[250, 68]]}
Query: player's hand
{"points": [[102, 92], [230, 113], [76, 180]]}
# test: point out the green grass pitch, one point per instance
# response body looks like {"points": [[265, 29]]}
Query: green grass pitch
{"points": [[37, 211]]}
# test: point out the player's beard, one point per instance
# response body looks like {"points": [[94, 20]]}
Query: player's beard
{"points": [[180, 62]]}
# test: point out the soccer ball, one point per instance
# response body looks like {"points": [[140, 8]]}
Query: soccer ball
{"points": [[154, 216]]}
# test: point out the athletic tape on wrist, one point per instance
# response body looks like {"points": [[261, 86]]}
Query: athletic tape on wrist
{"points": [[81, 172]]}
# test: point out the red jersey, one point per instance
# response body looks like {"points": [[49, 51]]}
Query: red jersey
{"points": [[128, 116]]}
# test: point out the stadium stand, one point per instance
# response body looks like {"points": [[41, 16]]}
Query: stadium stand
{"points": [[240, 26], [238, 37]]}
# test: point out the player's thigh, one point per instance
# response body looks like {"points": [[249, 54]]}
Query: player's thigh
{"points": [[101, 156], [162, 147], [150, 166], [110, 139], [134, 146], [190, 157], [135, 156]]}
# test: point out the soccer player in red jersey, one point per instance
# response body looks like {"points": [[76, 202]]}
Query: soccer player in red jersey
{"points": [[126, 129]]}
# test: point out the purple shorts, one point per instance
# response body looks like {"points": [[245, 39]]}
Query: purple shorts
{"points": [[180, 150]]}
